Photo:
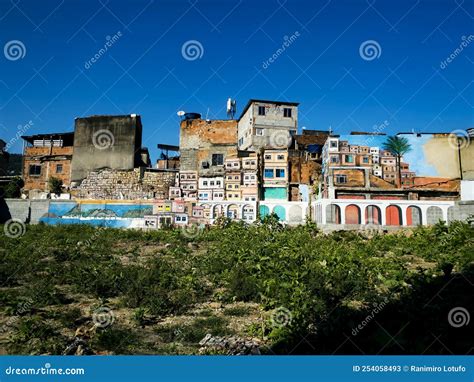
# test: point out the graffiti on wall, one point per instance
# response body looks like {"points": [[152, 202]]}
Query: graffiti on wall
{"points": [[115, 215]]}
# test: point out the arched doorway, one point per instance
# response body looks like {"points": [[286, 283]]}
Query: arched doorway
{"points": [[295, 214], [233, 211], [280, 211], [352, 213], [217, 211], [373, 215], [414, 215], [264, 211], [333, 214], [394, 215], [434, 214]]}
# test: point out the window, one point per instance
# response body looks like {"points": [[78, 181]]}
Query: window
{"points": [[211, 183], [204, 183], [287, 112], [333, 159], [246, 177], [218, 182], [236, 177], [35, 170], [268, 173], [280, 173], [261, 110], [259, 131], [333, 143], [217, 159], [349, 159], [59, 169], [280, 157], [241, 141], [341, 178], [365, 159], [268, 157]]}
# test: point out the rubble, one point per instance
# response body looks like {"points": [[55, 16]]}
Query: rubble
{"points": [[231, 345]]}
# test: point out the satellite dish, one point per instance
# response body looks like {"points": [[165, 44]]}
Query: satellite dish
{"points": [[180, 113]]}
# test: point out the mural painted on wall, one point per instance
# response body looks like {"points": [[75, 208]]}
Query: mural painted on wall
{"points": [[430, 159], [115, 215]]}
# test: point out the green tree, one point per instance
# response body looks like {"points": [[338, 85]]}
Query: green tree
{"points": [[398, 146], [55, 185], [13, 188]]}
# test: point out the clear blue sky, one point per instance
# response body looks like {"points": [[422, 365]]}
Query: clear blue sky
{"points": [[145, 72]]}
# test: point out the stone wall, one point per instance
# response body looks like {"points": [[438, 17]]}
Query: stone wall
{"points": [[126, 185], [27, 211]]}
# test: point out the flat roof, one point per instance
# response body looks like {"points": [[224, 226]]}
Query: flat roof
{"points": [[31, 138], [266, 101]]}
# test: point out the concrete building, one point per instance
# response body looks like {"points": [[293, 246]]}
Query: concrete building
{"points": [[188, 182], [275, 174], [106, 141], [46, 156], [208, 187], [267, 124]]}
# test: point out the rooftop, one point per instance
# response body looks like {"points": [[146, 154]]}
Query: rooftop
{"points": [[251, 101], [68, 137]]}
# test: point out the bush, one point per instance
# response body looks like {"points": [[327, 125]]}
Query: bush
{"points": [[55, 185]]}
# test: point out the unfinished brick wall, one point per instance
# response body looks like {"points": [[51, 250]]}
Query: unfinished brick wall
{"points": [[199, 139], [48, 158], [126, 184]]}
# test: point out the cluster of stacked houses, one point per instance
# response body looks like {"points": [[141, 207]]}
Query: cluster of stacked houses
{"points": [[240, 167]]}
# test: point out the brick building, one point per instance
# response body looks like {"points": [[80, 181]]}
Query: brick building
{"points": [[47, 156]]}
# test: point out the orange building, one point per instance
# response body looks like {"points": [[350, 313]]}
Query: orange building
{"points": [[47, 156]]}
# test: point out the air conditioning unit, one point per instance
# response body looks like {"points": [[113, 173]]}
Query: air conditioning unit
{"points": [[205, 164]]}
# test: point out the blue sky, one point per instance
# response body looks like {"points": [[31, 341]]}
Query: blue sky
{"points": [[404, 85]]}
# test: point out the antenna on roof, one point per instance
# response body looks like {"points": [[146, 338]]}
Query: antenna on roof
{"points": [[231, 108], [330, 130]]}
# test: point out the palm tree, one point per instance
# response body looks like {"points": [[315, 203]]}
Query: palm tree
{"points": [[398, 146]]}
